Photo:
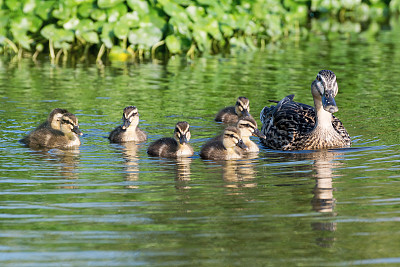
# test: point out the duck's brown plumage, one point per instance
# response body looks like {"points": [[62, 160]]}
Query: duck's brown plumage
{"points": [[223, 148], [232, 114], [178, 146], [129, 130], [290, 125], [46, 137]]}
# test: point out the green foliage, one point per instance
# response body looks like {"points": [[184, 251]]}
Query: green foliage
{"points": [[206, 26]]}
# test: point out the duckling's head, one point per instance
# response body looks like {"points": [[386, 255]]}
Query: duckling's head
{"points": [[324, 89], [233, 138], [130, 116], [182, 132], [69, 124], [242, 106], [248, 127], [55, 116]]}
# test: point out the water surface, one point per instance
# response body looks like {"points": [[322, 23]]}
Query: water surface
{"points": [[112, 205]]}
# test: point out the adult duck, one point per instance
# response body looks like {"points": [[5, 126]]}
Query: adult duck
{"points": [[295, 126]]}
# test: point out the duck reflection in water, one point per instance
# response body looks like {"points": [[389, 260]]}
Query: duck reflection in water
{"points": [[131, 162], [325, 161], [183, 172], [239, 173], [61, 163]]}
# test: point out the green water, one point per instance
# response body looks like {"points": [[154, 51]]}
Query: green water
{"points": [[111, 205]]}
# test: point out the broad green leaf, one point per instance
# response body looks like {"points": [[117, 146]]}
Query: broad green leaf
{"points": [[121, 30], [71, 24], [107, 34], [85, 25], [130, 19], [62, 12], [108, 3], [146, 36], [22, 39], [173, 44], [90, 37], [140, 6], [26, 23], [116, 12], [85, 10], [99, 14], [29, 6], [44, 8], [13, 5]]}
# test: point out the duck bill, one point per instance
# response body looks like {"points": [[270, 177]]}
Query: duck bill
{"points": [[183, 140], [126, 124], [241, 144], [259, 134], [328, 102], [77, 131]]}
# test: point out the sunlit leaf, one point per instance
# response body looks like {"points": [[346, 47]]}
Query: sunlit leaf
{"points": [[116, 12], [71, 24], [146, 36], [44, 8], [85, 25], [108, 3], [173, 44], [121, 30], [90, 37], [85, 10], [99, 14], [118, 54], [13, 5], [140, 6], [29, 6], [107, 34], [130, 19]]}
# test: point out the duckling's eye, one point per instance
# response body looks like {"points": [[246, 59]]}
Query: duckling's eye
{"points": [[319, 78]]}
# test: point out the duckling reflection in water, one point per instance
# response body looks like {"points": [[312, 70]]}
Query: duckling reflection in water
{"points": [[232, 114], [224, 149], [178, 146], [295, 126], [129, 130], [46, 137]]}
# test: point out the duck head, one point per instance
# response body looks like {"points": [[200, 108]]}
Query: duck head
{"points": [[182, 132], [242, 106], [232, 138], [324, 89], [130, 116]]}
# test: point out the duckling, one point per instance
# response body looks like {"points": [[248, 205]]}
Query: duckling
{"points": [[295, 126], [54, 118], [66, 137], [248, 127], [231, 115], [128, 131], [217, 149], [173, 147]]}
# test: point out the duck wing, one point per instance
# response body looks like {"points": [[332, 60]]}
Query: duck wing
{"points": [[285, 121], [338, 126]]}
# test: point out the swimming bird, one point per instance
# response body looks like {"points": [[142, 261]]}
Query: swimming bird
{"points": [[248, 127], [295, 126], [129, 130], [54, 118], [217, 149], [232, 114], [46, 137], [178, 146]]}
